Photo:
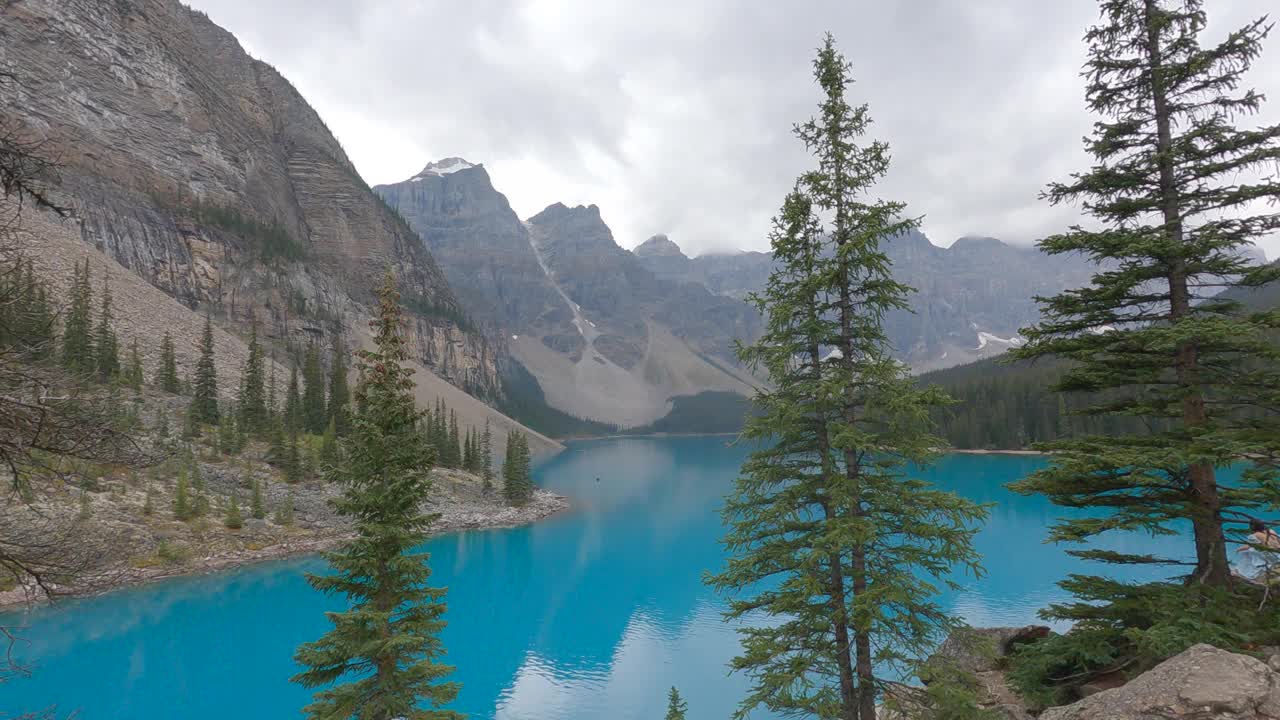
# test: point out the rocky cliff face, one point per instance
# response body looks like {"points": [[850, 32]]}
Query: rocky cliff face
{"points": [[971, 299], [205, 172]]}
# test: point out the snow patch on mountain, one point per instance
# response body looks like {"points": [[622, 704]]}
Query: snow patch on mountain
{"points": [[443, 167], [986, 338]]}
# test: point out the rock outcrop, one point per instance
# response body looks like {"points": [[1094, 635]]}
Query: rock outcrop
{"points": [[203, 171], [1201, 682]]}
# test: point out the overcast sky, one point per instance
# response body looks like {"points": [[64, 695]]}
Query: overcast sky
{"points": [[675, 116]]}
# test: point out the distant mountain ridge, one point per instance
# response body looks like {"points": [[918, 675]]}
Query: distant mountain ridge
{"points": [[971, 299], [604, 337]]}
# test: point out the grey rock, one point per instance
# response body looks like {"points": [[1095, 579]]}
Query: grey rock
{"points": [[1201, 682], [981, 649]]}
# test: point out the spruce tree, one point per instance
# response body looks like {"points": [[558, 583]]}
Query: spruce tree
{"points": [[272, 403], [182, 508], [313, 408], [167, 372], [384, 651], [204, 387], [849, 547], [486, 458], [233, 519], [292, 420], [133, 369], [257, 506], [676, 706], [284, 512], [454, 442], [516, 476], [1170, 192], [106, 350], [339, 392], [77, 332], [252, 403]]}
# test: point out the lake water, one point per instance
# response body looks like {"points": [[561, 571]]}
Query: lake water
{"points": [[593, 614]]}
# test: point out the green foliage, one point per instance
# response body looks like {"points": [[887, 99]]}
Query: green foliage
{"points": [[314, 417], [826, 516], [517, 479], [257, 506], [382, 658], [339, 392], [182, 505], [167, 372], [270, 243], [28, 323], [1143, 341], [284, 512], [173, 553], [106, 348], [523, 400], [77, 340], [441, 311], [486, 458], [676, 706], [293, 403], [711, 411], [133, 368], [233, 519], [1140, 626], [252, 403], [204, 388]]}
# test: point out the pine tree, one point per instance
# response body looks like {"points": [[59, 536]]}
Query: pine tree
{"points": [[257, 506], [386, 646], [133, 369], [273, 407], [284, 513], [676, 706], [517, 480], [825, 512], [469, 451], [167, 372], [293, 470], [182, 509], [486, 458], [233, 519], [199, 493], [293, 403], [329, 443], [313, 408], [339, 405], [454, 442], [1173, 216], [106, 350], [204, 387], [77, 340], [252, 403]]}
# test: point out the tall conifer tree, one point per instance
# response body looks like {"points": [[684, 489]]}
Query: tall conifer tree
{"points": [[106, 348], [293, 403], [826, 514], [1172, 193], [339, 392], [314, 418], [204, 386], [167, 372], [384, 651], [77, 328], [252, 403]]}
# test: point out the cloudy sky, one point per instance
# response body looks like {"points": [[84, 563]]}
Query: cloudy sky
{"points": [[675, 116]]}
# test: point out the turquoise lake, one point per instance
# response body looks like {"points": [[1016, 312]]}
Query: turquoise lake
{"points": [[592, 614]]}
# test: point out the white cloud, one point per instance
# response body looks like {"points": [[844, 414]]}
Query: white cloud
{"points": [[675, 116]]}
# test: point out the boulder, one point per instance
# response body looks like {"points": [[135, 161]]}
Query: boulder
{"points": [[1202, 682], [981, 649]]}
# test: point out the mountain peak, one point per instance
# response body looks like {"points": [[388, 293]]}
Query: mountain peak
{"points": [[658, 246], [447, 166]]}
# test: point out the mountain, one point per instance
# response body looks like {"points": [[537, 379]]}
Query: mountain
{"points": [[205, 173], [970, 299], [599, 334]]}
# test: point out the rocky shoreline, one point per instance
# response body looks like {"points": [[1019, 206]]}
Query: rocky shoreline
{"points": [[455, 515]]}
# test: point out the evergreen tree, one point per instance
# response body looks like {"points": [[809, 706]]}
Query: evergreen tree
{"points": [[133, 369], [257, 506], [252, 403], [469, 452], [329, 443], [182, 508], [1173, 217], [486, 457], [676, 706], [233, 519], [313, 408], [167, 372], [293, 403], [825, 513], [77, 340], [517, 478], [204, 388], [339, 405], [386, 646], [106, 350], [454, 442], [284, 513], [273, 406], [293, 470]]}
